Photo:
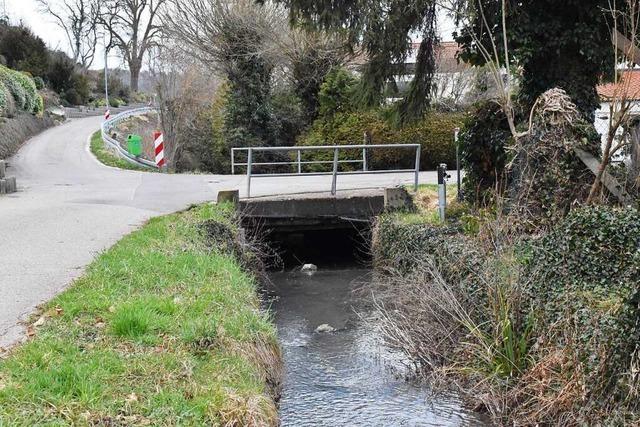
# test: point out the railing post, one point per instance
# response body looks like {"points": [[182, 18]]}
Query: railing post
{"points": [[249, 161], [233, 162], [299, 164], [417, 169], [335, 172], [364, 159]]}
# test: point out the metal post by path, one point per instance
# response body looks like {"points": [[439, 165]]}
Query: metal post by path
{"points": [[106, 68], [299, 162], [335, 172], [442, 190], [417, 169], [249, 161], [233, 162], [456, 140]]}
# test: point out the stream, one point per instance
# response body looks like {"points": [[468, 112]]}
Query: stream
{"points": [[347, 377]]}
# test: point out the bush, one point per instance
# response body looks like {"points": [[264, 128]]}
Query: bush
{"points": [[288, 116], [482, 150], [66, 80], [585, 287], [30, 91], [22, 88], [39, 82], [337, 93], [4, 99], [22, 50], [434, 133]]}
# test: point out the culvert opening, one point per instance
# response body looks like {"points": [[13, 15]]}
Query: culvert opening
{"points": [[336, 247]]}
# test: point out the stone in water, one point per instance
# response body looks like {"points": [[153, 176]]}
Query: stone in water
{"points": [[309, 269], [325, 328]]}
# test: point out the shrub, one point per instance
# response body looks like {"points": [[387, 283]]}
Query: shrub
{"points": [[30, 91], [39, 82], [434, 133], [585, 280], [4, 95], [337, 93], [288, 116], [22, 50], [483, 138], [11, 82]]}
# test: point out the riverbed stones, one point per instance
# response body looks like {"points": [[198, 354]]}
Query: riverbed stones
{"points": [[325, 328]]}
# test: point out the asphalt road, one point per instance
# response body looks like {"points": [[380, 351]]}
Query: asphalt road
{"points": [[69, 208]]}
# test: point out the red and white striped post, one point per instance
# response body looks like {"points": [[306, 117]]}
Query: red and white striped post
{"points": [[158, 142], [107, 114]]}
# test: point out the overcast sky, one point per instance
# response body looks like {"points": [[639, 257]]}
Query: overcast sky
{"points": [[27, 12]]}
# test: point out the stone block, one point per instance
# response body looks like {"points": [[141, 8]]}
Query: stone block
{"points": [[397, 199], [12, 186], [8, 185], [228, 196]]}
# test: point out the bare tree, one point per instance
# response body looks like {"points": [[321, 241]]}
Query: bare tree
{"points": [[216, 32], [78, 19], [625, 20], [307, 58], [133, 28]]}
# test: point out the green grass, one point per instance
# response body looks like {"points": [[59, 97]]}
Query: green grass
{"points": [[108, 158], [164, 328]]}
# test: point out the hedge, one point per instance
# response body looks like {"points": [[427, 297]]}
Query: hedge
{"points": [[22, 88], [434, 133]]}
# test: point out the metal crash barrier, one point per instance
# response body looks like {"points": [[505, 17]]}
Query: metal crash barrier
{"points": [[110, 123]]}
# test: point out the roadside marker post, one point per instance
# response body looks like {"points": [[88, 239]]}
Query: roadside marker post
{"points": [[107, 114], [158, 142], [442, 190]]}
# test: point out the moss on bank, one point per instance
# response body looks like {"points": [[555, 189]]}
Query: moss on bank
{"points": [[164, 328]]}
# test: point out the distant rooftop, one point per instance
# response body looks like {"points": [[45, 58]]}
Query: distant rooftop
{"points": [[628, 87]]}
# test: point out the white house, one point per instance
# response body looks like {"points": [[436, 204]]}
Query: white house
{"points": [[611, 95]]}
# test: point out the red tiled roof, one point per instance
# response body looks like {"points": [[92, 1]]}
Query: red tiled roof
{"points": [[628, 86]]}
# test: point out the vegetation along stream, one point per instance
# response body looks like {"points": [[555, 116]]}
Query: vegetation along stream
{"points": [[344, 375]]}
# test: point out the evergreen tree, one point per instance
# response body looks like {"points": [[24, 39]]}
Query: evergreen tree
{"points": [[557, 43], [383, 29]]}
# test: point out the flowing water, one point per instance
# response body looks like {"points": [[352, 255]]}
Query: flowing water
{"points": [[347, 377]]}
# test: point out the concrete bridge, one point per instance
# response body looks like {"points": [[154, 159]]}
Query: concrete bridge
{"points": [[314, 211]]}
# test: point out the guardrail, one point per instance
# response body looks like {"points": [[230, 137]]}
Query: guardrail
{"points": [[335, 172], [107, 125]]}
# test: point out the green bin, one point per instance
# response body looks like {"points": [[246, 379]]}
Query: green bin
{"points": [[134, 144]]}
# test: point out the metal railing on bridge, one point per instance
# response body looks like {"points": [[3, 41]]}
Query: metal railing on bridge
{"points": [[298, 164]]}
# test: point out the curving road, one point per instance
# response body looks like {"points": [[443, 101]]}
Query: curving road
{"points": [[69, 208]]}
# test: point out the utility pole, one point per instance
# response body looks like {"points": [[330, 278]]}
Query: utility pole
{"points": [[106, 68]]}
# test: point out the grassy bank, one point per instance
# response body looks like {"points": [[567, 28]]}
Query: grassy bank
{"points": [[108, 158], [164, 328]]}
